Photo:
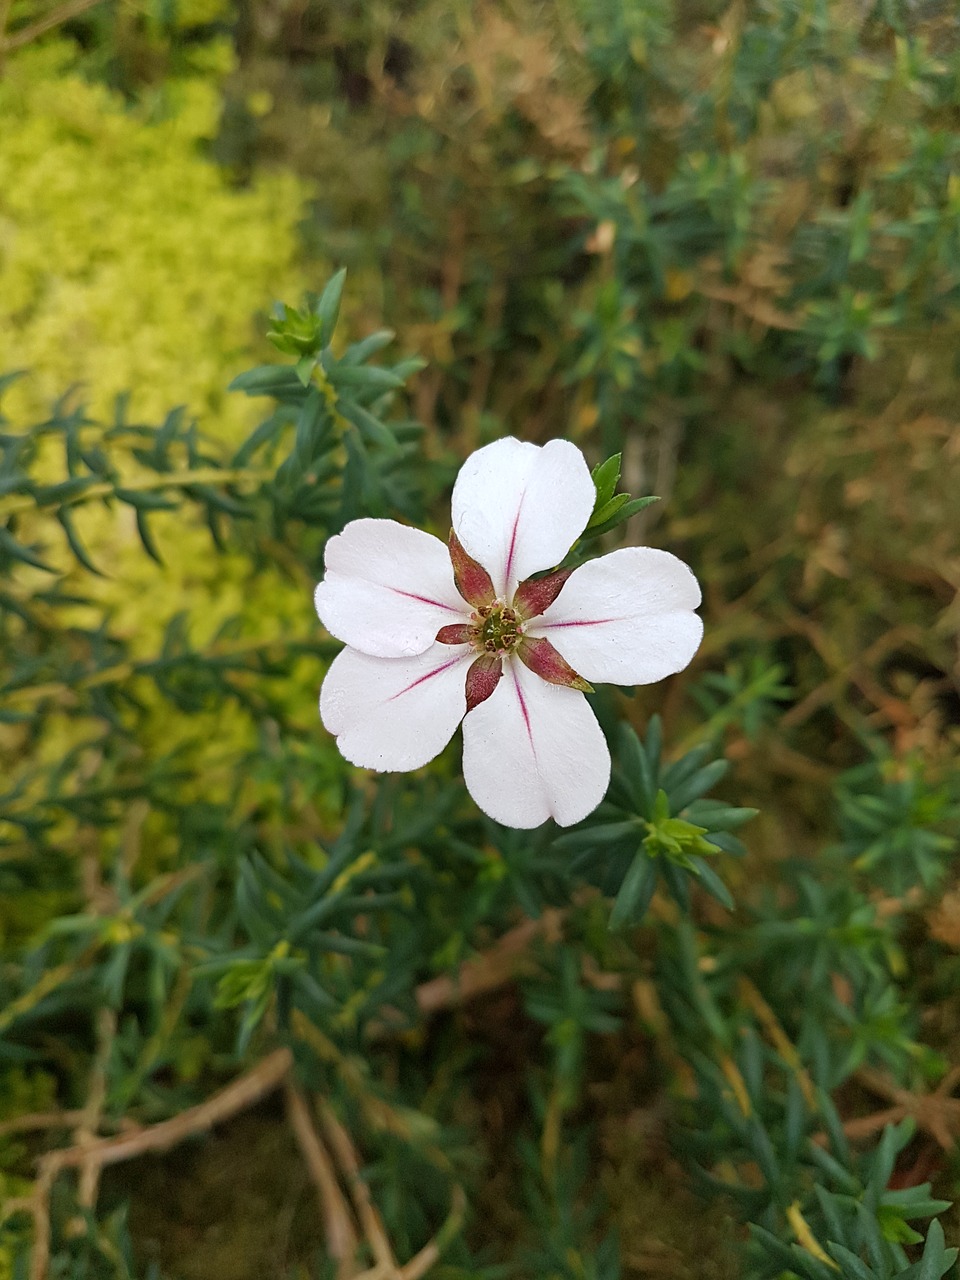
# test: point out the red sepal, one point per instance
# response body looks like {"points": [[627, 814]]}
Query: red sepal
{"points": [[537, 594], [542, 658], [473, 581], [483, 676], [456, 633]]}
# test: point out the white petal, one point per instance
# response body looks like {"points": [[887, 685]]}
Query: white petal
{"points": [[519, 508], [534, 751], [395, 714], [626, 618], [388, 589]]}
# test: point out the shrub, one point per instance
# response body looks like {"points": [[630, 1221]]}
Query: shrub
{"points": [[245, 903]]}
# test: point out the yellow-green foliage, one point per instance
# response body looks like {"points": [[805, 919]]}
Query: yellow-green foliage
{"points": [[129, 263], [20, 1094], [126, 259]]}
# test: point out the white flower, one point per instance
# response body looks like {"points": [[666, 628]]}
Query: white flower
{"points": [[435, 634]]}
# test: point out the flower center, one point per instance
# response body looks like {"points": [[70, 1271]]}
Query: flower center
{"points": [[497, 628]]}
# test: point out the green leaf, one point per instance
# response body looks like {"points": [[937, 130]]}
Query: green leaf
{"points": [[726, 843], [623, 513], [696, 786], [145, 501], [146, 537], [327, 309], [605, 478], [717, 816], [405, 369], [653, 742], [310, 429], [895, 1229], [8, 379], [15, 717], [915, 1202], [267, 432], [712, 883], [790, 1260], [608, 833], [640, 774], [604, 514], [58, 493], [635, 892], [937, 1259], [364, 377], [371, 429], [852, 1266], [17, 551], [277, 380], [358, 352], [76, 545]]}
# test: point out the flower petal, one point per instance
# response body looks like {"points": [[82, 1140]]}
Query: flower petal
{"points": [[626, 618], [534, 751], [518, 508], [395, 714], [388, 589]]}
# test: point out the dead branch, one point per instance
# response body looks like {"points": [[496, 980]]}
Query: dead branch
{"points": [[505, 960], [366, 1210], [235, 1097], [339, 1232], [40, 1120], [96, 1154], [26, 35]]}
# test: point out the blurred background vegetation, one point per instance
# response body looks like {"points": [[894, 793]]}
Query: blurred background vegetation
{"points": [[721, 239]]}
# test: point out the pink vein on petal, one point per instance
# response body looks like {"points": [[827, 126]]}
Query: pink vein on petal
{"points": [[428, 676], [526, 715], [412, 595], [513, 540]]}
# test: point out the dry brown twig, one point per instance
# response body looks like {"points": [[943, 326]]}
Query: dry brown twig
{"points": [[936, 1113], [341, 1236], [85, 1134], [93, 1155], [505, 960], [26, 35], [332, 1157], [367, 1214], [40, 1120], [327, 1161]]}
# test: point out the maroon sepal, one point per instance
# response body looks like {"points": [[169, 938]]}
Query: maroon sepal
{"points": [[541, 657], [483, 676], [456, 633], [473, 581], [537, 594]]}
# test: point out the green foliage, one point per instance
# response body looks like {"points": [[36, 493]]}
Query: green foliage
{"points": [[268, 938], [747, 694], [718, 249], [722, 239], [612, 508], [898, 828], [656, 824]]}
